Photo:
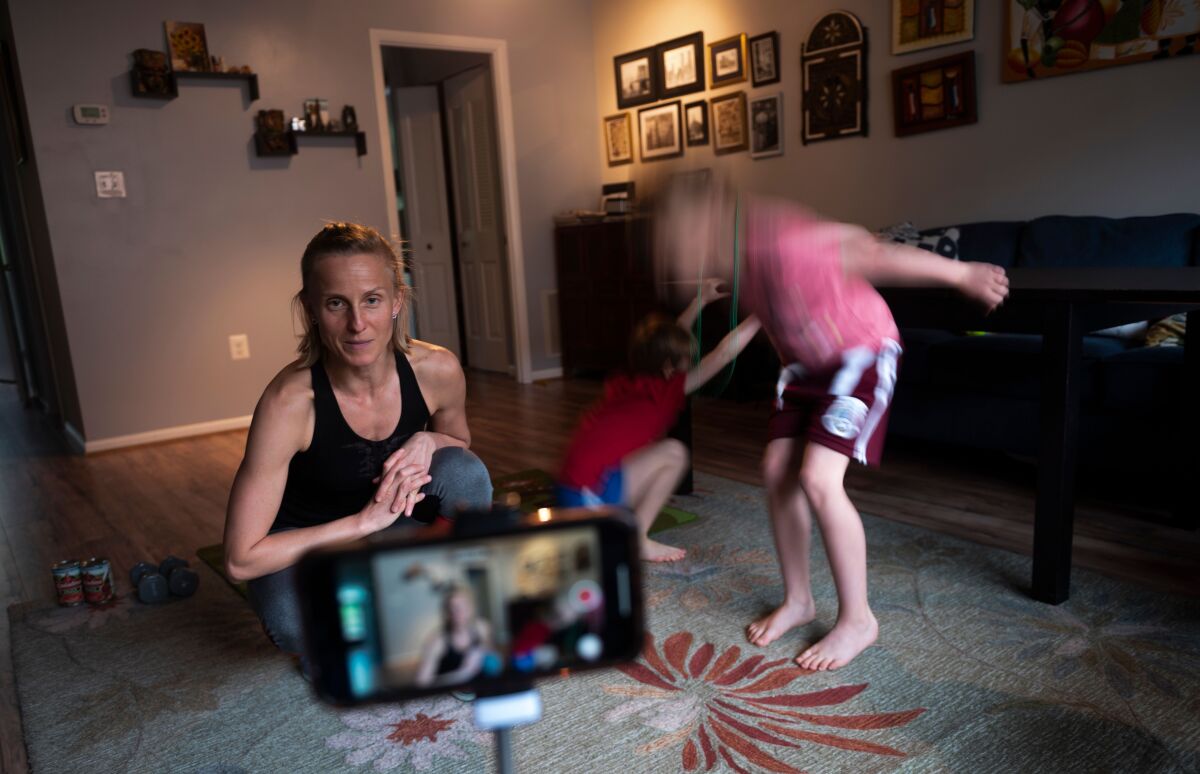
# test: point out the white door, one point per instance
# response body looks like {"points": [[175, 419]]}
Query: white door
{"points": [[479, 214], [419, 141]]}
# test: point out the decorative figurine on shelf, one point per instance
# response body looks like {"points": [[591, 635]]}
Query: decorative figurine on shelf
{"points": [[218, 64], [312, 116], [297, 124], [349, 119], [151, 76], [333, 126]]}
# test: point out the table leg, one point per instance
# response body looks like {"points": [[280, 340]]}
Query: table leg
{"points": [[682, 431], [1062, 344]]}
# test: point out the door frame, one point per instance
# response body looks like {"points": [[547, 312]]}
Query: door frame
{"points": [[505, 135]]}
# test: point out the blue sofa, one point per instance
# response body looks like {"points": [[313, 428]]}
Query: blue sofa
{"points": [[984, 391]]}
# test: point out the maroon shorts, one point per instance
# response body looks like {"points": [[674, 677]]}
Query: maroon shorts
{"points": [[844, 408]]}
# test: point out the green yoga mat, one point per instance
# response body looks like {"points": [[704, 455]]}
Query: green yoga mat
{"points": [[535, 488]]}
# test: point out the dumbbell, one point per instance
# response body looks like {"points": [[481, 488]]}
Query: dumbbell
{"points": [[171, 576]]}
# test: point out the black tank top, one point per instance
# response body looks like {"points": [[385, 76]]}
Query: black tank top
{"points": [[332, 478]]}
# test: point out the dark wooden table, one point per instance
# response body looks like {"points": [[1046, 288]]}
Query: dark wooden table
{"points": [[1063, 305]]}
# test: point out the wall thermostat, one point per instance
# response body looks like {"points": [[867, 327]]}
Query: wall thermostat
{"points": [[90, 115]]}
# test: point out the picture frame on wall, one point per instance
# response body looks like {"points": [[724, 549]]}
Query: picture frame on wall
{"points": [[187, 46], [764, 59], [660, 131], [921, 24], [695, 122], [766, 126], [937, 94], [680, 65], [727, 61], [729, 123], [618, 139], [1045, 40], [636, 78]]}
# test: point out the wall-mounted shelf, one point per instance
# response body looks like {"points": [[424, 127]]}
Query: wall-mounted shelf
{"points": [[173, 79], [293, 144]]}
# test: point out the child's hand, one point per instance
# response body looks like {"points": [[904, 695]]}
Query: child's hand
{"points": [[711, 289], [984, 282]]}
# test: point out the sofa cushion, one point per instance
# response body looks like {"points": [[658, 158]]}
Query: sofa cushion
{"points": [[1008, 364], [990, 242], [1143, 380], [940, 241], [1060, 240]]}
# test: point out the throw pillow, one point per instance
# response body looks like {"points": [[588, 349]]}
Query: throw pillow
{"points": [[1167, 332], [941, 241]]}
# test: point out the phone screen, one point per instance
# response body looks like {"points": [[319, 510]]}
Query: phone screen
{"points": [[431, 617]]}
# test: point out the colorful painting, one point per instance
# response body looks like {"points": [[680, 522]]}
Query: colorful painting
{"points": [[921, 24], [937, 94], [1044, 38], [188, 46]]}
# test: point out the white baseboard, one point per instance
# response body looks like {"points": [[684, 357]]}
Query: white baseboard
{"points": [[156, 436], [546, 373]]}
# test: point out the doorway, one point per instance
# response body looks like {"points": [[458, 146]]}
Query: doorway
{"points": [[447, 195]]}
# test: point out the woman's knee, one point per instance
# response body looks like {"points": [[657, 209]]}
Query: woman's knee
{"points": [[460, 480], [821, 484], [673, 452], [273, 598]]}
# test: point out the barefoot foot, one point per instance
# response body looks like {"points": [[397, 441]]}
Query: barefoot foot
{"points": [[771, 627], [653, 551], [845, 641]]}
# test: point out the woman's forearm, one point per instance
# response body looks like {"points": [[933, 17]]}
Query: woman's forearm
{"points": [[279, 550]]}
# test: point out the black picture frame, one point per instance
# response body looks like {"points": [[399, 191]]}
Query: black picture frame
{"points": [[695, 134], [717, 51], [663, 140], [640, 86], [768, 41], [695, 42]]}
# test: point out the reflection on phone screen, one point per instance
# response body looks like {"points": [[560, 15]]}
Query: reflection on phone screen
{"points": [[444, 615]]}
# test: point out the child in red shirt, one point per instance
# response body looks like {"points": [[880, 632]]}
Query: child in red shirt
{"points": [[618, 454]]}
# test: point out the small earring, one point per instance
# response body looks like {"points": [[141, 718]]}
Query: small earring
{"points": [[397, 314], [312, 320]]}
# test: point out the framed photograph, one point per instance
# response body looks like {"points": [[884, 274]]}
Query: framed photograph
{"points": [[637, 81], [933, 95], [680, 65], [618, 139], [1044, 39], [766, 126], [921, 24], [660, 130], [188, 47], [729, 122], [764, 59], [727, 61], [695, 122]]}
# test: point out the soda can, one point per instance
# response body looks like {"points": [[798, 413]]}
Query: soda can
{"points": [[97, 581], [845, 417], [68, 582]]}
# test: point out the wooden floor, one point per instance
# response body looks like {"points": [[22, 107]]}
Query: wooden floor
{"points": [[143, 503]]}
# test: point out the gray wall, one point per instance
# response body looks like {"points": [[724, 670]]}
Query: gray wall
{"points": [[1114, 142], [208, 242]]}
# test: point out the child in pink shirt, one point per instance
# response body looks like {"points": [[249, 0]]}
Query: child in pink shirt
{"points": [[810, 282]]}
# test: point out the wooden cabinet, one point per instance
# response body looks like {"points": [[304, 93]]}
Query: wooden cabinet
{"points": [[605, 285]]}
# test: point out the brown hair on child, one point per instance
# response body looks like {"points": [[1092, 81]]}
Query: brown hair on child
{"points": [[658, 341]]}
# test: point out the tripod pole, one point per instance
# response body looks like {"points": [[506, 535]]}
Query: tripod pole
{"points": [[504, 751]]}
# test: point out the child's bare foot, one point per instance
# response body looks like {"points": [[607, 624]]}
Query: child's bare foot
{"points": [[838, 648], [653, 551], [787, 616]]}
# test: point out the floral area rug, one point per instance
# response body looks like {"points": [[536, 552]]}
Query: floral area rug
{"points": [[969, 675]]}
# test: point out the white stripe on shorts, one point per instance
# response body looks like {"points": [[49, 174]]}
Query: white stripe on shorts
{"points": [[885, 384]]}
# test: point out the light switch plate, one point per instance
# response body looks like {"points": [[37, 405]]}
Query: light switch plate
{"points": [[110, 185]]}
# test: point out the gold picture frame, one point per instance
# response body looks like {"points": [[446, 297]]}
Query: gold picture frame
{"points": [[727, 61]]}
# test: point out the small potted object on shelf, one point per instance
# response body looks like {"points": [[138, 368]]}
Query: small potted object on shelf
{"points": [[349, 119]]}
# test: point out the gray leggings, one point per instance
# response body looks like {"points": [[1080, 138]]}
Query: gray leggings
{"points": [[460, 480]]}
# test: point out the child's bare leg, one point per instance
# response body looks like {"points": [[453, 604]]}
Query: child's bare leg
{"points": [[651, 475], [791, 522], [822, 474]]}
